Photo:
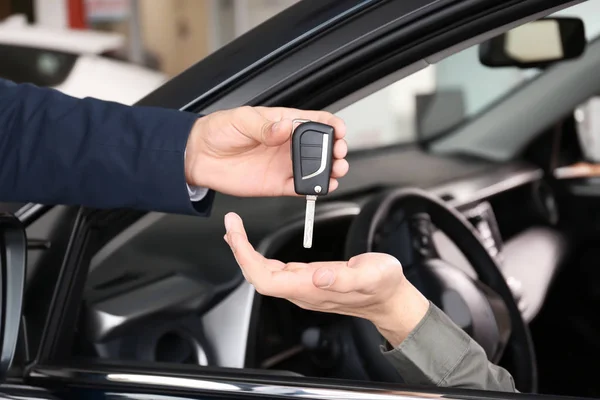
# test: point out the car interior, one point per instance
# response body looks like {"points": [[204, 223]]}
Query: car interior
{"points": [[488, 160]]}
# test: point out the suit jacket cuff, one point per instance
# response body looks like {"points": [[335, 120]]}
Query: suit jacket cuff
{"points": [[185, 199], [198, 194]]}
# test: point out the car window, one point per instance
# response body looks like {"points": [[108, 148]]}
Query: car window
{"points": [[441, 96], [428, 102]]}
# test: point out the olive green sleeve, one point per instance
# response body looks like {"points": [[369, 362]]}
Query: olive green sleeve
{"points": [[437, 352]]}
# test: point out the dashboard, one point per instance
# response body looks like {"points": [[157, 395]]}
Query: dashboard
{"points": [[513, 210]]}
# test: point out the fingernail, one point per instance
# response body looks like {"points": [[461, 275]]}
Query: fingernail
{"points": [[228, 222], [275, 126], [325, 279]]}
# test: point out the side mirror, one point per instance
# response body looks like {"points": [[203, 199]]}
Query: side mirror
{"points": [[536, 44], [13, 257]]}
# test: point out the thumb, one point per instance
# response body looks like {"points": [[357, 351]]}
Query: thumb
{"points": [[366, 273], [340, 278], [252, 124], [276, 133]]}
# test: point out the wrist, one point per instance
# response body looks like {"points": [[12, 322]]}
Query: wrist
{"points": [[404, 312], [193, 155]]}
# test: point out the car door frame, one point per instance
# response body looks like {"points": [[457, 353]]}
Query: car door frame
{"points": [[309, 73]]}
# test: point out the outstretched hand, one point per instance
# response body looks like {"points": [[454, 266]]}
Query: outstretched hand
{"points": [[246, 151], [370, 286]]}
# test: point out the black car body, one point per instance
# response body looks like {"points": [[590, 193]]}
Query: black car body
{"points": [[316, 54]]}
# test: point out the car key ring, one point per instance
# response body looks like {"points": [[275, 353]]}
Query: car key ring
{"points": [[312, 159]]}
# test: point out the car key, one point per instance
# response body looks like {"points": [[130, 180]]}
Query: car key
{"points": [[312, 159]]}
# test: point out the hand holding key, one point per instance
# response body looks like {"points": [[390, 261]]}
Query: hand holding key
{"points": [[246, 151]]}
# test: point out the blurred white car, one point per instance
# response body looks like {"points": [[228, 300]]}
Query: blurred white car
{"points": [[72, 61]]}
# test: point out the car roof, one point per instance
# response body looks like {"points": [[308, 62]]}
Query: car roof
{"points": [[17, 32]]}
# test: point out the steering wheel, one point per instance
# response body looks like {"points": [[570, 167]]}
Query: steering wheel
{"points": [[484, 308]]}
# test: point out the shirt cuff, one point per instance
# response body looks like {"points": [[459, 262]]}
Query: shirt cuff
{"points": [[196, 193]]}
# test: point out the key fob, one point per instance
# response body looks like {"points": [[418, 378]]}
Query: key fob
{"points": [[312, 158]]}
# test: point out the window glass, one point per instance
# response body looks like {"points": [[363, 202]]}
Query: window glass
{"points": [[429, 102], [441, 96]]}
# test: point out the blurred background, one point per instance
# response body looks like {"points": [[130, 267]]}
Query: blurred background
{"points": [[118, 50], [121, 50]]}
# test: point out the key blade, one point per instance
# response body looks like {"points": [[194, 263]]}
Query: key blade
{"points": [[309, 221]]}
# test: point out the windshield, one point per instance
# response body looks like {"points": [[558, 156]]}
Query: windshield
{"points": [[441, 96]]}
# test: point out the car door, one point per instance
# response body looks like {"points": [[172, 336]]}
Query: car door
{"points": [[313, 55]]}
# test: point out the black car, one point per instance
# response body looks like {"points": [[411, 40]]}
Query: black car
{"points": [[478, 116]]}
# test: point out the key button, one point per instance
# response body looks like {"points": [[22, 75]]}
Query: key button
{"points": [[311, 138], [310, 166], [311, 151]]}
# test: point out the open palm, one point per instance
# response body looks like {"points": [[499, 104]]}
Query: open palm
{"points": [[370, 286]]}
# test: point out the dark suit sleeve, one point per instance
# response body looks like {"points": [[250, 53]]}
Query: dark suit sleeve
{"points": [[56, 149]]}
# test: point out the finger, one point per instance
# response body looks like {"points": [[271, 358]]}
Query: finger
{"points": [[226, 238], [366, 276], [339, 126], [339, 168], [373, 258], [295, 266], [251, 262], [346, 280], [254, 125], [234, 223], [241, 248], [278, 132], [256, 269], [333, 184], [340, 149], [271, 266], [269, 277]]}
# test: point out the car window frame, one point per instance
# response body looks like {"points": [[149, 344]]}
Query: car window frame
{"points": [[48, 364]]}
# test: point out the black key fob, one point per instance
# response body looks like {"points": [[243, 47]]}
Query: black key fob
{"points": [[312, 158]]}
